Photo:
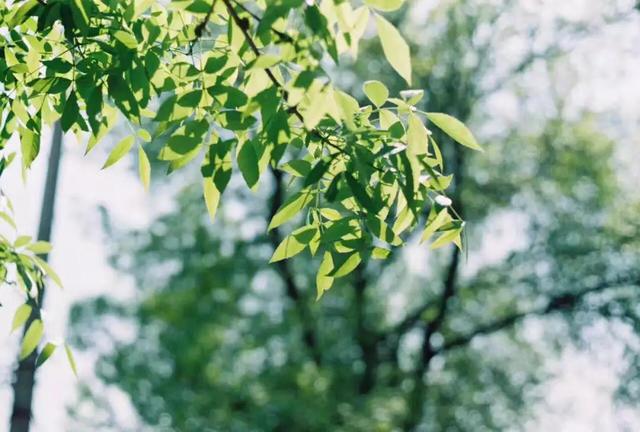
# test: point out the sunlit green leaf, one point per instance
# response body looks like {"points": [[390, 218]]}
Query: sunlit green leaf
{"points": [[118, 152], [385, 5], [446, 238], [455, 129], [21, 316], [345, 265], [417, 136], [441, 219], [126, 38], [286, 249], [21, 241], [46, 352], [49, 271], [144, 168], [395, 48], [290, 208], [323, 281], [376, 92], [40, 247], [72, 361], [211, 196], [31, 338]]}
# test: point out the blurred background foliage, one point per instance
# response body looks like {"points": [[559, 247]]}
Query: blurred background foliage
{"points": [[216, 339]]}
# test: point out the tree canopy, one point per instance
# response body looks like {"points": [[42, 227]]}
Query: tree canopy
{"points": [[247, 84], [220, 339]]}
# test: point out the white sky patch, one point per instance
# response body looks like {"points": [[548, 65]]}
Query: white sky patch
{"points": [[79, 256]]}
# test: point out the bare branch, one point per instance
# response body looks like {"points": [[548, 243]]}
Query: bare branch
{"points": [[567, 301]]}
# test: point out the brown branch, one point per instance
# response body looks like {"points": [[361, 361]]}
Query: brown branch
{"points": [[567, 301], [283, 36], [201, 26], [244, 28]]}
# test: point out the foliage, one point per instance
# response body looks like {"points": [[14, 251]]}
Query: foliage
{"points": [[216, 341], [221, 340], [242, 84], [250, 360], [20, 265]]}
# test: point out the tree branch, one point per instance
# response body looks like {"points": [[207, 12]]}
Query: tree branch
{"points": [[567, 301], [201, 26], [243, 25], [406, 324]]}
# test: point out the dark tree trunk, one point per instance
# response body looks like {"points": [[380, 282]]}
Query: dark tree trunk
{"points": [[25, 374]]}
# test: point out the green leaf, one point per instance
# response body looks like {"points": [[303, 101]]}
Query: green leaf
{"points": [[417, 136], [381, 230], [31, 338], [21, 241], [40, 247], [345, 266], [211, 196], [144, 135], [376, 92], [214, 64], [5, 217], [290, 246], [29, 145], [248, 163], [380, 253], [323, 280], [446, 238], [412, 97], [72, 361], [385, 5], [144, 168], [348, 107], [118, 152], [46, 352], [297, 167], [21, 12], [291, 207], [441, 219], [455, 129], [178, 146], [266, 61], [21, 316], [167, 109], [395, 48], [190, 99], [360, 193], [70, 113], [126, 38], [316, 173], [49, 271]]}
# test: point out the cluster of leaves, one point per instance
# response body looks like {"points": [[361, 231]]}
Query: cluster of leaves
{"points": [[239, 83], [20, 265]]}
